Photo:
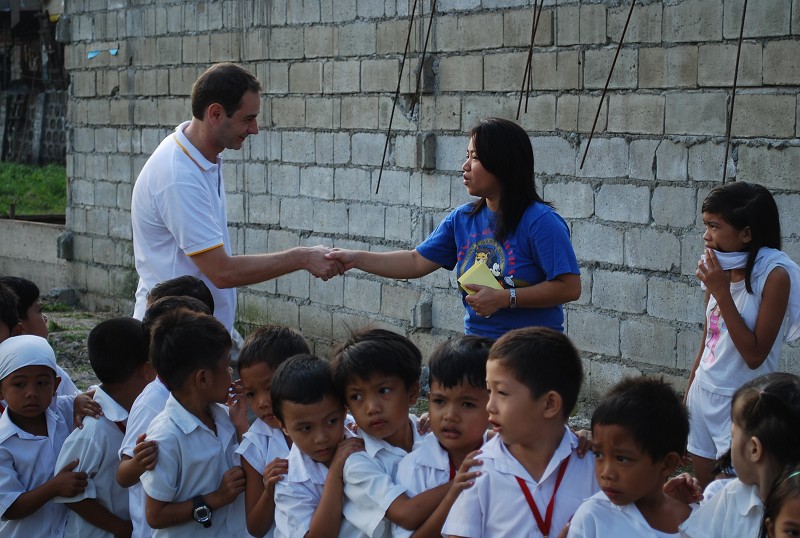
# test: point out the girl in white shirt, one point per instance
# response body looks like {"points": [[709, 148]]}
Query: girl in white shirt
{"points": [[752, 295]]}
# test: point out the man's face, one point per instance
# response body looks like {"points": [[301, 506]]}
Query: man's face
{"points": [[231, 132]]}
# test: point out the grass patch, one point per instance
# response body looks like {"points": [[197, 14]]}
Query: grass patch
{"points": [[36, 190], [56, 307], [55, 327]]}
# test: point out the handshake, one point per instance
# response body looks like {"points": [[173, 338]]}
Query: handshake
{"points": [[325, 263]]}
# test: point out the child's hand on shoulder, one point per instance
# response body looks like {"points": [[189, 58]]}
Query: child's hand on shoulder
{"points": [[274, 472], [145, 453], [237, 408], [343, 451], [465, 478], [684, 488], [232, 484], [584, 442], [424, 423], [67, 483], [85, 406]]}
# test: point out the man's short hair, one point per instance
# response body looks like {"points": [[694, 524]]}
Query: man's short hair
{"points": [[223, 83], [185, 285], [650, 410], [272, 345], [182, 342], [543, 360], [302, 379], [116, 349], [460, 360], [376, 352]]}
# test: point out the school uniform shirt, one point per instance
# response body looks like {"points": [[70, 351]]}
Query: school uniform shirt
{"points": [[191, 461], [598, 517], [496, 505], [370, 483], [96, 446], [28, 461], [734, 511], [298, 495], [145, 408]]}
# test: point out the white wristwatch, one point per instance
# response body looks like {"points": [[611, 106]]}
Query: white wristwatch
{"points": [[512, 298]]}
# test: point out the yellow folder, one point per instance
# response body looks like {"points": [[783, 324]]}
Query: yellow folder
{"points": [[481, 275]]}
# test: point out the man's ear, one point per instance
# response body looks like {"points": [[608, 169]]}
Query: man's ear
{"points": [[215, 112]]}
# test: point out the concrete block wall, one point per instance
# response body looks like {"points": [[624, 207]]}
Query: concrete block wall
{"points": [[329, 70]]}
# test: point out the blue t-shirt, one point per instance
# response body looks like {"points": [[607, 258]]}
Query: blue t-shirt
{"points": [[539, 249]]}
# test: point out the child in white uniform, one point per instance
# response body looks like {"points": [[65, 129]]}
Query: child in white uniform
{"points": [[531, 479], [633, 459], [309, 499], [196, 485], [265, 447], [782, 506], [752, 303], [764, 441], [118, 356], [32, 430]]}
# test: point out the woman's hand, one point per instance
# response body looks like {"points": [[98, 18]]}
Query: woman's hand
{"points": [[710, 273], [486, 301]]}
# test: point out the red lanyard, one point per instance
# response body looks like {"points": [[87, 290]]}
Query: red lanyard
{"points": [[2, 408], [452, 471], [544, 526]]}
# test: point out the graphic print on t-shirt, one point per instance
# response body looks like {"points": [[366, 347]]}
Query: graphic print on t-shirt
{"points": [[498, 258], [715, 326]]}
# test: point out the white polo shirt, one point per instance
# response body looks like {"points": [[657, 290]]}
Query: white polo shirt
{"points": [[496, 506], [28, 461], [370, 483], [297, 497], [144, 409], [96, 446], [191, 461], [598, 517], [178, 210], [734, 511]]}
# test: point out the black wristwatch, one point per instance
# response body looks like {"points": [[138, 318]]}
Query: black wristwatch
{"points": [[201, 512]]}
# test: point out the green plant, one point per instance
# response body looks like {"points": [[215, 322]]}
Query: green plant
{"points": [[54, 327], [34, 190]]}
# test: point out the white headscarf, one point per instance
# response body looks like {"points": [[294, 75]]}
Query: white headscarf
{"points": [[25, 350]]}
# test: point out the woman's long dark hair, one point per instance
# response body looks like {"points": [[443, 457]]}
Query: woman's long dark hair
{"points": [[504, 150]]}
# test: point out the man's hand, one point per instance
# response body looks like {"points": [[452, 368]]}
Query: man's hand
{"points": [[319, 265]]}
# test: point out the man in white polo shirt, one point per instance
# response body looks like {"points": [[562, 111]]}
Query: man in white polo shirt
{"points": [[180, 225]]}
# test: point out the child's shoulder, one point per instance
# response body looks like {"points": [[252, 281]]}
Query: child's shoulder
{"points": [[427, 453]]}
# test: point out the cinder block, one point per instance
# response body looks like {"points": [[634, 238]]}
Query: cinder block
{"points": [[356, 39], [447, 6], [648, 342], [593, 24], [674, 67], [316, 321], [436, 191], [604, 375], [297, 213], [670, 206], [399, 301], [367, 220], [643, 159], [517, 28], [568, 28], [502, 72], [440, 112], [286, 43], [98, 112], [647, 248], [770, 18], [689, 341], [795, 17], [619, 291], [705, 161], [790, 358], [480, 31], [716, 62], [351, 184], [572, 200], [394, 187], [342, 77], [693, 20], [541, 113], [296, 147], [319, 113], [119, 169], [379, 75], [105, 195], [595, 332], [318, 41], [359, 113], [607, 158], [557, 70], [671, 161], [576, 113], [287, 111], [392, 37], [398, 223], [316, 182], [362, 293], [696, 113], [598, 62], [623, 203], [330, 293], [450, 152], [83, 83], [447, 312], [787, 208], [775, 168], [284, 180], [764, 115], [476, 107], [169, 50], [263, 209], [461, 73], [675, 300], [595, 242], [367, 148], [302, 12], [645, 25], [305, 77], [636, 113]]}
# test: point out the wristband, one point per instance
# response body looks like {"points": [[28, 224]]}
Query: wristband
{"points": [[512, 298]]}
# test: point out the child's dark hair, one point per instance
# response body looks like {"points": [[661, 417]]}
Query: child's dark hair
{"points": [[376, 351], [186, 285], [271, 344], [768, 407], [543, 360], [302, 379], [169, 304], [182, 341], [26, 291], [786, 488], [724, 465], [640, 403], [460, 360], [744, 204], [116, 349], [8, 307]]}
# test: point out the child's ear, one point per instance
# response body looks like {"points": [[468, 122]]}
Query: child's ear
{"points": [[200, 377], [756, 450], [768, 523], [18, 329], [746, 234], [283, 428], [553, 404], [413, 393], [671, 462]]}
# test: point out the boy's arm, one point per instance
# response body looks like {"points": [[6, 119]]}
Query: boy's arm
{"points": [[163, 514], [93, 512], [327, 518], [259, 495], [145, 455], [412, 512], [66, 484]]}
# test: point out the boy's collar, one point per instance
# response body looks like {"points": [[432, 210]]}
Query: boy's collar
{"points": [[188, 422], [372, 444], [495, 447], [111, 409], [8, 429]]}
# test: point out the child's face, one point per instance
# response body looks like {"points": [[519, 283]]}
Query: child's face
{"points": [[513, 411], [220, 380], [256, 380], [315, 428], [787, 522], [29, 390], [722, 236], [379, 404], [458, 415], [625, 473], [35, 321]]}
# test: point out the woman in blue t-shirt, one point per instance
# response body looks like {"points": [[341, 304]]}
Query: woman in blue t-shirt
{"points": [[521, 239]]}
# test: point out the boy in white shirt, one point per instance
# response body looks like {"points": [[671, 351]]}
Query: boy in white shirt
{"points": [[309, 499], [265, 447], [195, 487], [377, 372], [32, 430], [531, 478], [118, 356], [639, 433]]}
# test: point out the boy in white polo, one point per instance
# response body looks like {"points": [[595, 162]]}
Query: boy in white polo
{"points": [[118, 357], [195, 487], [531, 480]]}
